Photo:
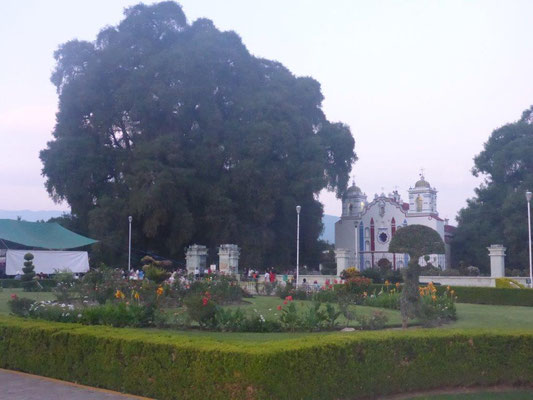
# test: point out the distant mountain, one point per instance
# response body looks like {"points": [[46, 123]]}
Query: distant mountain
{"points": [[29, 215], [329, 228]]}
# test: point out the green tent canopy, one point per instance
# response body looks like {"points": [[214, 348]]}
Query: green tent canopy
{"points": [[45, 235]]}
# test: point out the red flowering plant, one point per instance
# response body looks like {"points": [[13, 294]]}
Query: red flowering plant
{"points": [[201, 308]]}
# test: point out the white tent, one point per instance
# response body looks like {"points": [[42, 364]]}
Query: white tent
{"points": [[48, 261]]}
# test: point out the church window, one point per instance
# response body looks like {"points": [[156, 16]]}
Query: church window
{"points": [[419, 203], [372, 235], [367, 232], [367, 245], [393, 226], [367, 264], [383, 237]]}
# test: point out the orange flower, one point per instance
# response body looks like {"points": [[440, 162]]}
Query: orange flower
{"points": [[434, 298], [159, 290], [397, 284], [119, 294]]}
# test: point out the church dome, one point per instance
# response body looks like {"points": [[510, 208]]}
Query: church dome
{"points": [[422, 183], [353, 191]]}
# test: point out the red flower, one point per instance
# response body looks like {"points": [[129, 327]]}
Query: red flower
{"points": [[285, 301], [279, 308], [289, 298], [335, 281], [205, 300], [13, 296]]}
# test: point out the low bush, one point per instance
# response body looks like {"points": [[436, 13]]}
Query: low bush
{"points": [[491, 296], [20, 306], [508, 283], [377, 320], [180, 366]]}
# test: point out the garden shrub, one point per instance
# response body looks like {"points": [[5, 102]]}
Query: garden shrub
{"points": [[491, 296], [508, 283], [19, 306], [29, 274], [377, 320], [65, 287], [201, 308], [181, 366]]}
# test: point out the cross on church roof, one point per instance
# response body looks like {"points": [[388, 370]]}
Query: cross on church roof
{"points": [[422, 173]]}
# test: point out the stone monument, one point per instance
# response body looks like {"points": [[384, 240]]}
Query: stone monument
{"points": [[196, 257], [228, 259], [497, 260]]}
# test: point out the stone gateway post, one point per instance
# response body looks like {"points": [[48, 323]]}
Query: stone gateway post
{"points": [[228, 259], [497, 260], [196, 257]]}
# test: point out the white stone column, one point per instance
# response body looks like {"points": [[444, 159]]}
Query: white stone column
{"points": [[343, 258], [196, 257], [497, 260], [228, 259]]}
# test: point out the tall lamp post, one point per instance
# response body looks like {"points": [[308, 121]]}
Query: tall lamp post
{"points": [[528, 198], [298, 209], [130, 218]]}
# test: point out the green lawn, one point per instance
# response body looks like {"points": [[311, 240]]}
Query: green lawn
{"points": [[507, 395]]}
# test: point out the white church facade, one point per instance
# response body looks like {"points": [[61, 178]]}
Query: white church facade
{"points": [[365, 229]]}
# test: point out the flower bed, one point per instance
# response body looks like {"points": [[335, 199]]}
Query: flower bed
{"points": [[177, 366]]}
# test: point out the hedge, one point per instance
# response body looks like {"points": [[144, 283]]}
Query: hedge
{"points": [[172, 365], [47, 284], [492, 296]]}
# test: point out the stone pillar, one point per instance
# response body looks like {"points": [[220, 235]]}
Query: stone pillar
{"points": [[497, 260], [343, 258], [196, 257], [228, 259]]}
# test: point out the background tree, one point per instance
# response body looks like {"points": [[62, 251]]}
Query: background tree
{"points": [[417, 241], [181, 127], [27, 279], [498, 213]]}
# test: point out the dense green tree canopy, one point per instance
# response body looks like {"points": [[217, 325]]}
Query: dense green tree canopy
{"points": [[181, 127], [417, 241], [498, 212]]}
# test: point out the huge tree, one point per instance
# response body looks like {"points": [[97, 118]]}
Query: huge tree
{"points": [[178, 125], [498, 213]]}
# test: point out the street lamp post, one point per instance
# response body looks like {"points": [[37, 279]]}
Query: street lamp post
{"points": [[298, 209], [528, 198], [130, 218]]}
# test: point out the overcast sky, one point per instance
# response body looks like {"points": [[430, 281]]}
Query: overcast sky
{"points": [[420, 83]]}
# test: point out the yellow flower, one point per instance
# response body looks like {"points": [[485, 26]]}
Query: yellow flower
{"points": [[448, 288], [452, 292], [119, 294], [160, 290], [136, 295], [387, 283]]}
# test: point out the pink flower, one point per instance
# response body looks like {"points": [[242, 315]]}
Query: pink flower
{"points": [[13, 296], [279, 308], [205, 300], [285, 301], [289, 298]]}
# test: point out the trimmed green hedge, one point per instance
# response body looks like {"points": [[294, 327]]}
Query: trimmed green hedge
{"points": [[47, 284], [492, 296], [172, 365]]}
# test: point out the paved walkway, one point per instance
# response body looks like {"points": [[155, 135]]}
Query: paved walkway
{"points": [[21, 386]]}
